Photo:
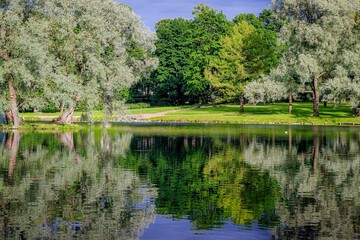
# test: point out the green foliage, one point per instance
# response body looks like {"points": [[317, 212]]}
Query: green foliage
{"points": [[207, 28], [167, 82], [184, 48], [250, 19], [94, 50], [246, 54], [269, 20], [319, 36]]}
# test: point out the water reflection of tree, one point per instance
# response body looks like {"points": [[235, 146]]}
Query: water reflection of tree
{"points": [[203, 179], [245, 194], [319, 177], [76, 192]]}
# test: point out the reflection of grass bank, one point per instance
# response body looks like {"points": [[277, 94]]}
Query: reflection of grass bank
{"points": [[44, 126], [261, 114]]}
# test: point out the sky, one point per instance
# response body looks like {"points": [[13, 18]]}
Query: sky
{"points": [[151, 11]]}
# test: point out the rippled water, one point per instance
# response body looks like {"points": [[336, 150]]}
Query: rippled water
{"points": [[181, 182]]}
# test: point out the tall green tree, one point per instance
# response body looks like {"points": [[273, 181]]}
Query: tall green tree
{"points": [[318, 35], [207, 28], [269, 20], [173, 52], [245, 55]]}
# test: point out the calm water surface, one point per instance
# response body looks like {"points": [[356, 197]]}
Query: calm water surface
{"points": [[181, 182]]}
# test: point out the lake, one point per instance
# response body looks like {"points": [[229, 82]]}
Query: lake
{"points": [[161, 181]]}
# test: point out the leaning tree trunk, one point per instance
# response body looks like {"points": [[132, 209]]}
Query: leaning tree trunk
{"points": [[290, 104], [316, 98], [242, 103], [66, 116], [12, 115]]}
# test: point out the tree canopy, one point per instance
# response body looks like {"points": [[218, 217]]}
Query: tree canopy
{"points": [[320, 36], [66, 51]]}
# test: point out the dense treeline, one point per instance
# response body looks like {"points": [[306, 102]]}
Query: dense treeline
{"points": [[195, 60], [308, 50]]}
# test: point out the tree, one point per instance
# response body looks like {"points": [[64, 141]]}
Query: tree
{"points": [[62, 52], [269, 20], [250, 19], [207, 28], [318, 34], [96, 54], [173, 52], [245, 55], [265, 90], [23, 56]]}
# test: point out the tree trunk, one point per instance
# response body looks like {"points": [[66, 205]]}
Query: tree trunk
{"points": [[325, 104], [13, 114], [213, 97], [290, 104], [316, 98], [66, 116], [204, 99], [12, 144], [62, 107], [242, 103]]}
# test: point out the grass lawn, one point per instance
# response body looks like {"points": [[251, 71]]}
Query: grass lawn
{"points": [[272, 113], [156, 109]]}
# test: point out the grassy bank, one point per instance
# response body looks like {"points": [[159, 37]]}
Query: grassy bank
{"points": [[273, 114], [268, 114]]}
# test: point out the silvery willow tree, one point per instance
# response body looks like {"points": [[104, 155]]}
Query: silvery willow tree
{"points": [[65, 51], [23, 56], [99, 48], [321, 36]]}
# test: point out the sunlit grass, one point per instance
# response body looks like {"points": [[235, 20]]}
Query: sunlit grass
{"points": [[272, 113], [156, 109]]}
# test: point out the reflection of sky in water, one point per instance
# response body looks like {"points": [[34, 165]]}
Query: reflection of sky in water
{"points": [[53, 228], [2, 137], [167, 228]]}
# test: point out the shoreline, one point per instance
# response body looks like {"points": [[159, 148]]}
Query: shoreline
{"points": [[41, 126]]}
